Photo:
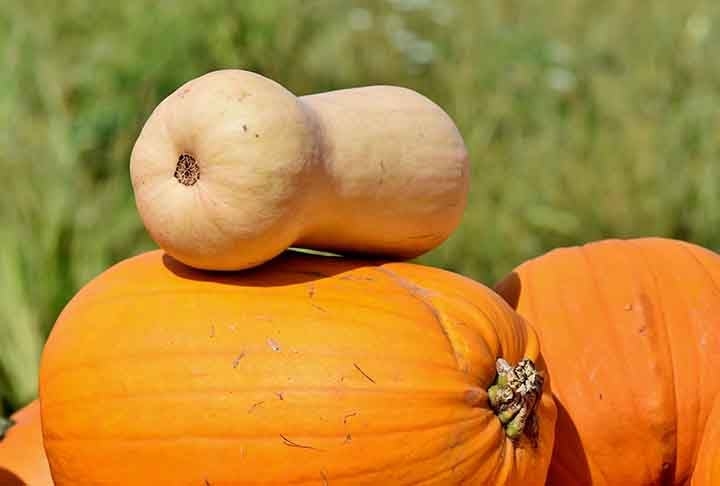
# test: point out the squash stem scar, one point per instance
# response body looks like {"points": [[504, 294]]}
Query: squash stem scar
{"points": [[187, 170]]}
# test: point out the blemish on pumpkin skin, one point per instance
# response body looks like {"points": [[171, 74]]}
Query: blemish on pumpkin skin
{"points": [[280, 395], [290, 443], [273, 344], [324, 478], [255, 405], [363, 373], [236, 361], [346, 417], [212, 331], [475, 397], [456, 442]]}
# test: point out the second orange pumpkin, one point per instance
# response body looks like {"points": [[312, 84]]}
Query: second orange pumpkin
{"points": [[631, 336]]}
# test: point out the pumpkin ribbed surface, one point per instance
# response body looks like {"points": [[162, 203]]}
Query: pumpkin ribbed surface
{"points": [[707, 466], [306, 371], [630, 331]]}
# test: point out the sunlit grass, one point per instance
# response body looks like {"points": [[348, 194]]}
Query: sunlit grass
{"points": [[584, 120]]}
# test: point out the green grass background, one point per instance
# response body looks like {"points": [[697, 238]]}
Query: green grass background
{"points": [[584, 120]]}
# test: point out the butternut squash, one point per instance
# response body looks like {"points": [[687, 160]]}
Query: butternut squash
{"points": [[232, 169]]}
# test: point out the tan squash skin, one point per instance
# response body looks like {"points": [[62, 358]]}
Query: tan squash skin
{"points": [[376, 170]]}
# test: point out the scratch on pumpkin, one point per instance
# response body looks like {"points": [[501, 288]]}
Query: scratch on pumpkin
{"points": [[255, 405], [236, 361], [290, 443], [363, 373], [319, 308]]}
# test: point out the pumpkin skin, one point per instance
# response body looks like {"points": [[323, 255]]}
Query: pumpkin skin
{"points": [[22, 457], [308, 370], [630, 331], [232, 169], [707, 466]]}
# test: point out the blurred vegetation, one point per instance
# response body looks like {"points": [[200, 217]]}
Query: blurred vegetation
{"points": [[584, 120]]}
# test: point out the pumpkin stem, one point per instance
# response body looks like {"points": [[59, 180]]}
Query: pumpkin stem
{"points": [[515, 394], [5, 424], [187, 170]]}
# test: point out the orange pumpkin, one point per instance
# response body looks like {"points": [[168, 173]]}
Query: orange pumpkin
{"points": [[307, 370], [707, 466], [22, 457], [630, 332]]}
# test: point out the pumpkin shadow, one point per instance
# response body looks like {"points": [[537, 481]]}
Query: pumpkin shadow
{"points": [[569, 464], [9, 479], [288, 268], [510, 288]]}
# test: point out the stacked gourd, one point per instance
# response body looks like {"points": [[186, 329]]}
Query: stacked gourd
{"points": [[224, 359]]}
